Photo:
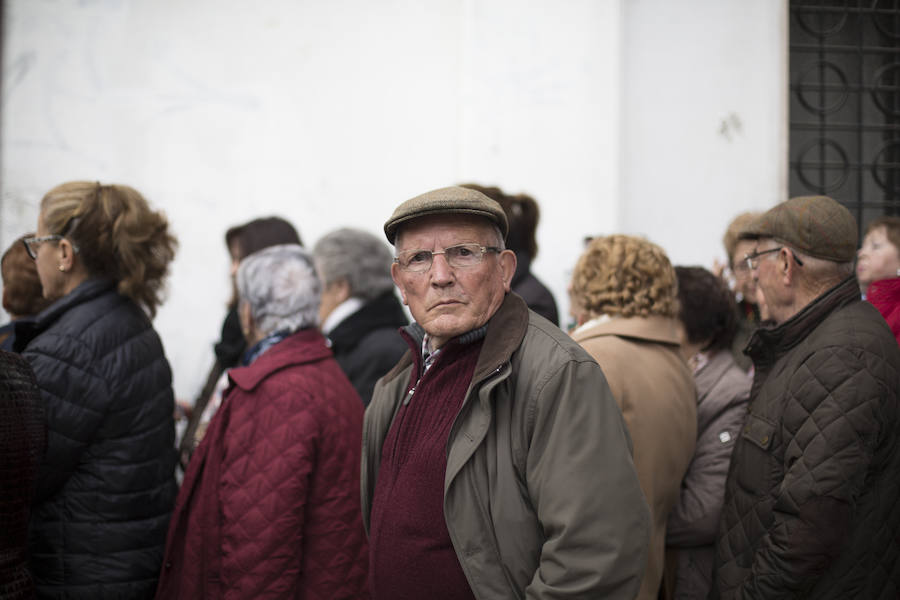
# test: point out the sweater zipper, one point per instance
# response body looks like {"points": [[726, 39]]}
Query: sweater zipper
{"points": [[411, 391]]}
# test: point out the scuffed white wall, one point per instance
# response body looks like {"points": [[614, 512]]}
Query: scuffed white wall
{"points": [[643, 116], [328, 114], [705, 119]]}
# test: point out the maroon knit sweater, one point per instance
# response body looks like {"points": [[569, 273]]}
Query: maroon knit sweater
{"points": [[411, 556]]}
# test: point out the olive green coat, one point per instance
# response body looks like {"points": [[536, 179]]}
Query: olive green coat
{"points": [[541, 497]]}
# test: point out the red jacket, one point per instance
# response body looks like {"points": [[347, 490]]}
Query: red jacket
{"points": [[885, 296], [270, 504]]}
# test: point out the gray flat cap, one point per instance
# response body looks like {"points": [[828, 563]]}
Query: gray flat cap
{"points": [[445, 201]]}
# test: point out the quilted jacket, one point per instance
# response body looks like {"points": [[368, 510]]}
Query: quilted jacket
{"points": [[269, 506], [812, 501], [541, 497], [107, 483]]}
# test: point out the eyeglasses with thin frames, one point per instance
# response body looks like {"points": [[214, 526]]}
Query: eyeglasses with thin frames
{"points": [[33, 243], [752, 260], [459, 256]]}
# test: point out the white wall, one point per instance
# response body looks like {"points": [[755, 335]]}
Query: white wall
{"points": [[330, 114], [705, 119]]}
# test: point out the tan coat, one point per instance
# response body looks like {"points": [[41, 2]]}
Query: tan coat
{"points": [[654, 388]]}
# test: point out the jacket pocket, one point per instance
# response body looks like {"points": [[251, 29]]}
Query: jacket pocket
{"points": [[757, 465]]}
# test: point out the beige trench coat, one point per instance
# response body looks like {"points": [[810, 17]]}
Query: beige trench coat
{"points": [[654, 388]]}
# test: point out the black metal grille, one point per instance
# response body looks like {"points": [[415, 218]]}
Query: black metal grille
{"points": [[845, 103]]}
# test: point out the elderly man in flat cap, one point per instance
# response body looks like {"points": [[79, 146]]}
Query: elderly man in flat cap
{"points": [[812, 501], [496, 463]]}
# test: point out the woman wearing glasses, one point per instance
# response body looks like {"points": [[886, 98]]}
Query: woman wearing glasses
{"points": [[106, 485]]}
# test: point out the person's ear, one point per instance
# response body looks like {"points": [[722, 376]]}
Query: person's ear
{"points": [[395, 275], [66, 255], [508, 261], [341, 289], [787, 265]]}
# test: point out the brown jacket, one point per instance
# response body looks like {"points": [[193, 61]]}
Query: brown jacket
{"points": [[811, 500], [540, 496], [655, 391]]}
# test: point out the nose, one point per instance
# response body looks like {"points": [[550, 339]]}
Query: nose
{"points": [[441, 271]]}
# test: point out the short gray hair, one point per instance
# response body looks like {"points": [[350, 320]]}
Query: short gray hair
{"points": [[281, 287], [820, 274], [358, 257]]}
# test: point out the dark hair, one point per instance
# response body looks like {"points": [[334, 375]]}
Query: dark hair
{"points": [[522, 213], [260, 233], [23, 295], [708, 310], [117, 236]]}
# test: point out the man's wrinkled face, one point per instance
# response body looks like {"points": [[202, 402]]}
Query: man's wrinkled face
{"points": [[448, 301], [767, 276]]}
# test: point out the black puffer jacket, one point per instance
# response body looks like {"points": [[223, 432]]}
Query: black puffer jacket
{"points": [[367, 344], [106, 487], [812, 500]]}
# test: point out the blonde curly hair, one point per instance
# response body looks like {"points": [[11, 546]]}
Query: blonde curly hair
{"points": [[117, 235], [625, 276]]}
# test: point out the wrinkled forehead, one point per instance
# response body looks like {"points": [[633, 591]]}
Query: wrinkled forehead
{"points": [[449, 228]]}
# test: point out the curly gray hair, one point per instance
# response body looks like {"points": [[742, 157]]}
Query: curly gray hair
{"points": [[358, 257], [282, 288]]}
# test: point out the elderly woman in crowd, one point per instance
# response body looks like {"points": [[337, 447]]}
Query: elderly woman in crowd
{"points": [[359, 313], [708, 325], [241, 241], [106, 485], [878, 269], [270, 504], [623, 294], [22, 294]]}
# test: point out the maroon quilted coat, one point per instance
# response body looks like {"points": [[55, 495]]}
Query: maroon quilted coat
{"points": [[270, 505]]}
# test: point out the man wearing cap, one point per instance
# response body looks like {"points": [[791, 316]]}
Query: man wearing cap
{"points": [[496, 463], [812, 501]]}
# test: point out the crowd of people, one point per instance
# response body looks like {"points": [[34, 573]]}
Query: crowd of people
{"points": [[731, 434]]}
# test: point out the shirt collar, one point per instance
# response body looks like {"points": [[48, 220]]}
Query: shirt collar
{"points": [[341, 312]]}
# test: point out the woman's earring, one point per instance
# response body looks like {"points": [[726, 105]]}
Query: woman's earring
{"points": [[62, 268]]}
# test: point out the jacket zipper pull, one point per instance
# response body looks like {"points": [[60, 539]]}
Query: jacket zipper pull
{"points": [[409, 395]]}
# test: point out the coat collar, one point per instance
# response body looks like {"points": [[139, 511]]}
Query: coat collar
{"points": [[505, 332], [384, 311], [655, 328], [28, 329], [719, 364], [768, 343], [305, 346]]}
